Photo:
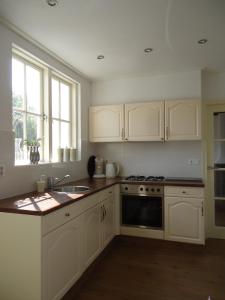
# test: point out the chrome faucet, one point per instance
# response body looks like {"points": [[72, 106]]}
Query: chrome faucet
{"points": [[53, 181]]}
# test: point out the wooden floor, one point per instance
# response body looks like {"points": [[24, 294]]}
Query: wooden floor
{"points": [[147, 269]]}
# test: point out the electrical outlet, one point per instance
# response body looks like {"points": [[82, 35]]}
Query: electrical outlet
{"points": [[194, 161], [2, 170]]}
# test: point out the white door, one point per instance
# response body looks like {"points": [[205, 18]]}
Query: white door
{"points": [[61, 259], [108, 224], [216, 171], [144, 121], [92, 235], [183, 120], [106, 123], [184, 220]]}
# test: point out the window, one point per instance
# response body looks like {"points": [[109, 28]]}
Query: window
{"points": [[44, 110]]}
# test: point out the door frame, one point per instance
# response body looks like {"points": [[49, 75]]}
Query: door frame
{"points": [[212, 230]]}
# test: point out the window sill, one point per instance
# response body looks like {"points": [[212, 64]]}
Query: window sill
{"points": [[27, 164]]}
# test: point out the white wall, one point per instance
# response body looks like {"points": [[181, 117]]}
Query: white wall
{"points": [[213, 87], [21, 179], [151, 158]]}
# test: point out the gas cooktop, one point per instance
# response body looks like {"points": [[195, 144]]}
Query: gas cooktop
{"points": [[141, 178]]}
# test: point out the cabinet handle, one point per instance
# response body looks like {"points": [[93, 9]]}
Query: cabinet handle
{"points": [[104, 211], [110, 192], [202, 209], [102, 217], [184, 192], [67, 214], [122, 133], [167, 132]]}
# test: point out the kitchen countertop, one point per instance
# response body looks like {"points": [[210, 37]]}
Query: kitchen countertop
{"points": [[43, 203]]}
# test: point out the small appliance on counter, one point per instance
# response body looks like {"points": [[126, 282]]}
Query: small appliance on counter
{"points": [[99, 168], [112, 169]]}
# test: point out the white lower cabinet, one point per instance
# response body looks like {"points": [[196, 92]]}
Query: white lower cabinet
{"points": [[62, 249], [184, 214]]}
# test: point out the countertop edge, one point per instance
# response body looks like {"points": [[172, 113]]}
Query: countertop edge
{"points": [[8, 205]]}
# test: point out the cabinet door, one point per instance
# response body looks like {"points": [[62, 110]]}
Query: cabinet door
{"points": [[183, 120], [108, 223], [92, 235], [144, 121], [184, 220], [106, 123], [62, 259]]}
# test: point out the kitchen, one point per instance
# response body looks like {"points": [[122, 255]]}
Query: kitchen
{"points": [[199, 74]]}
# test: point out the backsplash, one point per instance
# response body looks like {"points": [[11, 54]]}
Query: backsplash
{"points": [[155, 158]]}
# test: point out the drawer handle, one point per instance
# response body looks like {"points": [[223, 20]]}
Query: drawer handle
{"points": [[110, 192], [67, 214], [184, 192]]}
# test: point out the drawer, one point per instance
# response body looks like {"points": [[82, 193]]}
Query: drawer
{"points": [[195, 192], [67, 213], [106, 193]]}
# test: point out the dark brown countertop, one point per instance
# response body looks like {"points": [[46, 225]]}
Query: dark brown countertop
{"points": [[43, 203]]}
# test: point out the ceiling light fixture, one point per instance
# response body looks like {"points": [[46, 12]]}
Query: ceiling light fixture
{"points": [[100, 56], [203, 41], [52, 3], [147, 50]]}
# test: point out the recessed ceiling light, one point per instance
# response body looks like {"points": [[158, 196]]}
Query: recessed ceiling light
{"points": [[52, 2], [203, 41], [147, 50], [100, 56]]}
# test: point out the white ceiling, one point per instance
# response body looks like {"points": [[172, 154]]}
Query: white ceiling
{"points": [[79, 30]]}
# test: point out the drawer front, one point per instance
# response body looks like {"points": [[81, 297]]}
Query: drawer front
{"points": [[106, 193], [195, 192], [67, 213]]}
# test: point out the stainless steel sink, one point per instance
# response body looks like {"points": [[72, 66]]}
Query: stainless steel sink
{"points": [[75, 189]]}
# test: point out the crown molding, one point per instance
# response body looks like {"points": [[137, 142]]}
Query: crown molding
{"points": [[27, 37]]}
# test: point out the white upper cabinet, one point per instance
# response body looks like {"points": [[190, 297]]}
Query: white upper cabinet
{"points": [[150, 121], [144, 121], [183, 120], [106, 123]]}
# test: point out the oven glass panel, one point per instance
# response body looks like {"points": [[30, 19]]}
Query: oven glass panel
{"points": [[142, 211]]}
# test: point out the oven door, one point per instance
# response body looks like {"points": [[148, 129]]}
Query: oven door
{"points": [[142, 211]]}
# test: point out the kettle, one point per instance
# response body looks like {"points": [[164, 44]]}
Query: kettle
{"points": [[112, 169]]}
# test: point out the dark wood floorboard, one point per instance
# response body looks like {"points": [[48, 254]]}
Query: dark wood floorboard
{"points": [[147, 269]]}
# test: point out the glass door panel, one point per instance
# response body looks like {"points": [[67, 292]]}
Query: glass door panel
{"points": [[219, 125], [220, 212], [219, 183]]}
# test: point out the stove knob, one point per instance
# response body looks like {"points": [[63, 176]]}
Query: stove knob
{"points": [[158, 190], [146, 189], [141, 189], [152, 189]]}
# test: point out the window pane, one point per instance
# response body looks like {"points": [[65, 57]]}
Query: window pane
{"points": [[65, 100], [33, 128], [18, 83], [18, 127], [220, 213], [55, 98], [219, 186], [65, 135], [55, 140], [219, 154], [219, 125], [33, 88]]}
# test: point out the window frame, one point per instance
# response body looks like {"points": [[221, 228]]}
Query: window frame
{"points": [[47, 74]]}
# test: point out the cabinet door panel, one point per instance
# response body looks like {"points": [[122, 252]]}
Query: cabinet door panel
{"points": [[184, 220], [106, 123], [183, 119], [144, 121], [61, 259], [108, 222], [92, 235]]}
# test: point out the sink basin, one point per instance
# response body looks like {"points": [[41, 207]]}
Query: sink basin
{"points": [[72, 189]]}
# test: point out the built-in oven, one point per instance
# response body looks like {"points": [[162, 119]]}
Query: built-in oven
{"points": [[142, 206]]}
